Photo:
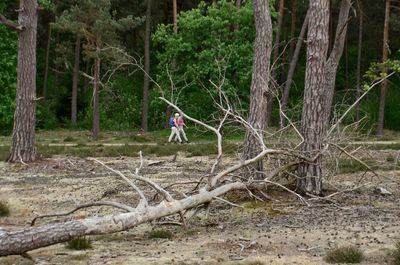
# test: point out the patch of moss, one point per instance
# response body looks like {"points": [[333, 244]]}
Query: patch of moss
{"points": [[161, 233], [265, 206], [348, 254]]}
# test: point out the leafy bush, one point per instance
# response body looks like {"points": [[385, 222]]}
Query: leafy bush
{"points": [[349, 254], [79, 243], [8, 78]]}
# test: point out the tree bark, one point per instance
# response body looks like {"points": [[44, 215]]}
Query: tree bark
{"points": [[146, 81], [359, 54], [23, 137], [293, 28], [319, 88], [19, 241], [334, 58], [96, 92], [75, 80], [275, 61], [292, 68], [259, 84], [385, 53], [46, 62], [310, 175]]}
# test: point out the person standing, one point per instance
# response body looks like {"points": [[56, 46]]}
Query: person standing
{"points": [[181, 124], [173, 123]]}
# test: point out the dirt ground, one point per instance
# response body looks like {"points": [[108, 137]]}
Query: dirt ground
{"points": [[279, 231]]}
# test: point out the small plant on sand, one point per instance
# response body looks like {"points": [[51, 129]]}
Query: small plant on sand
{"points": [[4, 210], [79, 243], [395, 254], [349, 254], [160, 233]]}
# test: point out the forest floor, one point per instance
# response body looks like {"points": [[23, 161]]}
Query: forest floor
{"points": [[278, 231]]}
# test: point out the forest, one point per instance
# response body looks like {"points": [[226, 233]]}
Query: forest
{"points": [[291, 115]]}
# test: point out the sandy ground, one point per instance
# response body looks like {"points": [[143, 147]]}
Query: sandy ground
{"points": [[281, 231]]}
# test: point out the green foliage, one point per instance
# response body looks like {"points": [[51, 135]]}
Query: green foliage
{"points": [[207, 46], [46, 116], [379, 71], [161, 233], [8, 78], [4, 210], [47, 4], [348, 254], [80, 243], [395, 254]]}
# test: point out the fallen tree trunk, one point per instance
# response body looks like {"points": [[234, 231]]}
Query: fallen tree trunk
{"points": [[19, 241]]}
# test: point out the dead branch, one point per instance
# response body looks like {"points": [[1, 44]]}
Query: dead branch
{"points": [[143, 202], [355, 158], [86, 205]]}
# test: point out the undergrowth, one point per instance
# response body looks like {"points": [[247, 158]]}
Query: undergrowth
{"points": [[349, 254], [79, 243], [161, 233], [395, 254]]}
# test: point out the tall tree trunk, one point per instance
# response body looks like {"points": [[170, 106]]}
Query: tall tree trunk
{"points": [[238, 3], [359, 54], [319, 89], [275, 60], [292, 68], [46, 62], [385, 53], [146, 82], [334, 57], [23, 137], [293, 28], [168, 110], [75, 80], [259, 84], [96, 92], [310, 175]]}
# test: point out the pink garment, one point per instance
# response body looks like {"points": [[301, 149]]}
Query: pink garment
{"points": [[181, 122]]}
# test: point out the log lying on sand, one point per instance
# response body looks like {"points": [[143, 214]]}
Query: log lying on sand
{"points": [[19, 241]]}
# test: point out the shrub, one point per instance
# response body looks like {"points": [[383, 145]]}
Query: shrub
{"points": [[4, 210], [395, 255], [79, 243], [347, 254]]}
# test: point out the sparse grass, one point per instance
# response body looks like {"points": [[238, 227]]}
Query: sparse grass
{"points": [[4, 210], [253, 262], [161, 233], [394, 255], [349, 254], [265, 206], [390, 158], [4, 152], [79, 257], [348, 166], [69, 139], [79, 243], [15, 260]]}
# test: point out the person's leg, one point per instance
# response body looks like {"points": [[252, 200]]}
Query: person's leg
{"points": [[182, 131], [171, 135], [178, 135]]}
